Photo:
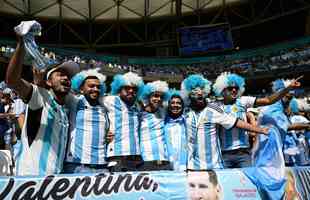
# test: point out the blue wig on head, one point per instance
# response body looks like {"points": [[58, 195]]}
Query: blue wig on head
{"points": [[128, 79], [227, 79], [195, 81], [280, 84], [79, 79], [172, 93], [156, 86]]}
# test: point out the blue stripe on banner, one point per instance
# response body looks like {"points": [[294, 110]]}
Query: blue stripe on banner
{"points": [[132, 139], [46, 142], [95, 137], [118, 127], [155, 150]]}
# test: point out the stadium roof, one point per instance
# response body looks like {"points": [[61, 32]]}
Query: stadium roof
{"points": [[105, 9]]}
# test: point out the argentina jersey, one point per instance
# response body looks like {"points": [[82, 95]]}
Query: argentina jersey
{"points": [[124, 124], [88, 128], [176, 140], [236, 138], [204, 145], [46, 153], [152, 139]]}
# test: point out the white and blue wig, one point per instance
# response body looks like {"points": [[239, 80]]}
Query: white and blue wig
{"points": [[128, 79], [155, 86], [280, 84], [78, 80], [195, 81], [227, 79], [173, 93]]}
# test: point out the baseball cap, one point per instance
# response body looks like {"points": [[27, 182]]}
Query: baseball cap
{"points": [[70, 67]]}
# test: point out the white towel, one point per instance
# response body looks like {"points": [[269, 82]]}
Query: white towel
{"points": [[29, 29]]}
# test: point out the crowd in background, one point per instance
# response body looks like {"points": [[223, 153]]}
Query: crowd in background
{"points": [[291, 59]]}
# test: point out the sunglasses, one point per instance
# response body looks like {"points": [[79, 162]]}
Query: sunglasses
{"points": [[232, 88]]}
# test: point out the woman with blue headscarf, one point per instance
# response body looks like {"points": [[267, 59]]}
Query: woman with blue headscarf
{"points": [[175, 132]]}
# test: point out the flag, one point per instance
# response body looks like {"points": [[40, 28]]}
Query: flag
{"points": [[268, 171]]}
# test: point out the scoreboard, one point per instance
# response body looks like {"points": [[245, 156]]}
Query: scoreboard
{"points": [[203, 39]]}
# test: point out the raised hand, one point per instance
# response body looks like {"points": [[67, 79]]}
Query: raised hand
{"points": [[295, 82]]}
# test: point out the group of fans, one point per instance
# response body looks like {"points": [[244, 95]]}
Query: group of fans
{"points": [[72, 126]]}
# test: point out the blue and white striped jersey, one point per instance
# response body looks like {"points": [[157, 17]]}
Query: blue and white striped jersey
{"points": [[204, 147], [236, 138], [88, 127], [124, 124], [177, 145], [152, 137], [47, 152]]}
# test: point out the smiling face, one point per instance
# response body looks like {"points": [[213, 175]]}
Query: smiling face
{"points": [[91, 89], [128, 94], [175, 107], [156, 100]]}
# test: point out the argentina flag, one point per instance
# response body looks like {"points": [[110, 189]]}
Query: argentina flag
{"points": [[268, 171]]}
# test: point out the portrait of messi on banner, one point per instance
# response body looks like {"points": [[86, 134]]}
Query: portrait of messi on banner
{"points": [[204, 185]]}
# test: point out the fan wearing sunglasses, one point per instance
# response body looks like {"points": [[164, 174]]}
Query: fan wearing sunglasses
{"points": [[235, 142]]}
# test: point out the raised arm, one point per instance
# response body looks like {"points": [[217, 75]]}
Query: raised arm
{"points": [[14, 70], [278, 95]]}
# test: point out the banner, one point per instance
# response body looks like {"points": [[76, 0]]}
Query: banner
{"points": [[138, 186], [228, 184]]}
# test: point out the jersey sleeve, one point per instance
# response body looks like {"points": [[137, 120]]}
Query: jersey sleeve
{"points": [[220, 117], [248, 101]]}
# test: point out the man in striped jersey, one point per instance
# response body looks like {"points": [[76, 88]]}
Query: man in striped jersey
{"points": [[235, 142], [175, 132], [152, 136], [201, 121], [89, 124], [44, 136], [123, 152]]}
